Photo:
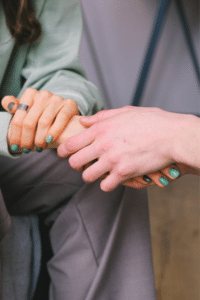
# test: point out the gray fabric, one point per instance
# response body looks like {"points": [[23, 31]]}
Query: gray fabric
{"points": [[113, 52], [17, 249], [100, 241], [101, 245]]}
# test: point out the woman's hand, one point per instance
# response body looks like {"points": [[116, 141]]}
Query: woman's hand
{"points": [[126, 143], [43, 122], [74, 127]]}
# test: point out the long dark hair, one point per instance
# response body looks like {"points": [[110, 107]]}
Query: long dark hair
{"points": [[21, 21]]}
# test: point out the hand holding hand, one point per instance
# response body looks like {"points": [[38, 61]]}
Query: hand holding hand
{"points": [[126, 143]]}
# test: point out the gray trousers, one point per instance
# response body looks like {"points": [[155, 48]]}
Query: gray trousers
{"points": [[100, 241]]}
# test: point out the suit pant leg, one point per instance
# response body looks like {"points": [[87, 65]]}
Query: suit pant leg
{"points": [[34, 183], [37, 183], [101, 246]]}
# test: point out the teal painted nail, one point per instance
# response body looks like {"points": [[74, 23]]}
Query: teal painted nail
{"points": [[14, 148], [164, 181], [39, 149], [174, 173], [10, 105], [26, 151], [49, 139]]}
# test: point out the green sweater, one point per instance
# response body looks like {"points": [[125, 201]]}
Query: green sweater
{"points": [[49, 64]]}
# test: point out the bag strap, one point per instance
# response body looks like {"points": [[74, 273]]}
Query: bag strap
{"points": [[156, 33], [188, 37]]}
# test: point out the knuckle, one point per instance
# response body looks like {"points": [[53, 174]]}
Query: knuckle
{"points": [[69, 145], [28, 124], [157, 109], [121, 171], [56, 99], [45, 94], [127, 108], [17, 123], [71, 102], [111, 159], [44, 122], [29, 91]]}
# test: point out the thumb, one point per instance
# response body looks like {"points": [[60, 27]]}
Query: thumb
{"points": [[101, 115], [10, 104]]}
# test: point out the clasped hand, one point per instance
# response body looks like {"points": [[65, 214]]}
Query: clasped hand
{"points": [[108, 149]]}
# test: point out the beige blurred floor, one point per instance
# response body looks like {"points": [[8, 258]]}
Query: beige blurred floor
{"points": [[174, 219]]}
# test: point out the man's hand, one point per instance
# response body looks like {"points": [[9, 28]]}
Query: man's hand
{"points": [[126, 143]]}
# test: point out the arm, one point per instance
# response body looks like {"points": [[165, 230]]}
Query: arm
{"points": [[73, 128], [52, 62], [55, 76]]}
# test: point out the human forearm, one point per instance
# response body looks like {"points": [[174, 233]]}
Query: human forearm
{"points": [[186, 146], [131, 142]]}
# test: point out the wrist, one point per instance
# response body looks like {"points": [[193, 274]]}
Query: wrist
{"points": [[187, 142]]}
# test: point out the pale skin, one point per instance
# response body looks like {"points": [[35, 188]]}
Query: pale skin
{"points": [[133, 141], [52, 115]]}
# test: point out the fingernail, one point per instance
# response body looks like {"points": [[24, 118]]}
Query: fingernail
{"points": [[174, 173], [147, 179], [164, 181], [39, 149], [26, 151], [10, 105], [49, 139], [14, 148]]}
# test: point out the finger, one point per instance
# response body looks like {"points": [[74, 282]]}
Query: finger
{"points": [[74, 127], [45, 122], [18, 118], [171, 172], [142, 180], [30, 122], [68, 110], [10, 103], [77, 142], [83, 157], [134, 184], [110, 182], [102, 115], [95, 171], [159, 179]]}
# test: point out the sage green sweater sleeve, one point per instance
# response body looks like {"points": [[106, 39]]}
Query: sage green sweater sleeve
{"points": [[4, 123], [52, 63]]}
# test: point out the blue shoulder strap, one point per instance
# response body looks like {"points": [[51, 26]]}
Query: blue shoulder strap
{"points": [[151, 49]]}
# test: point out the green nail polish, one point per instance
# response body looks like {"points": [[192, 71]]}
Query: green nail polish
{"points": [[174, 173], [49, 139], [10, 105], [39, 149], [26, 151], [164, 181], [14, 148]]}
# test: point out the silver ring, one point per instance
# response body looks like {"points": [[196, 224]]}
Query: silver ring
{"points": [[23, 106]]}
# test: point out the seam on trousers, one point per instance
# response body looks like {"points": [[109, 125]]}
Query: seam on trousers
{"points": [[90, 242]]}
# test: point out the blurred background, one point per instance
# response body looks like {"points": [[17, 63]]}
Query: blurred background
{"points": [[114, 43]]}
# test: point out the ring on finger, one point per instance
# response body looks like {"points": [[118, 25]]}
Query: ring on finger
{"points": [[22, 106]]}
